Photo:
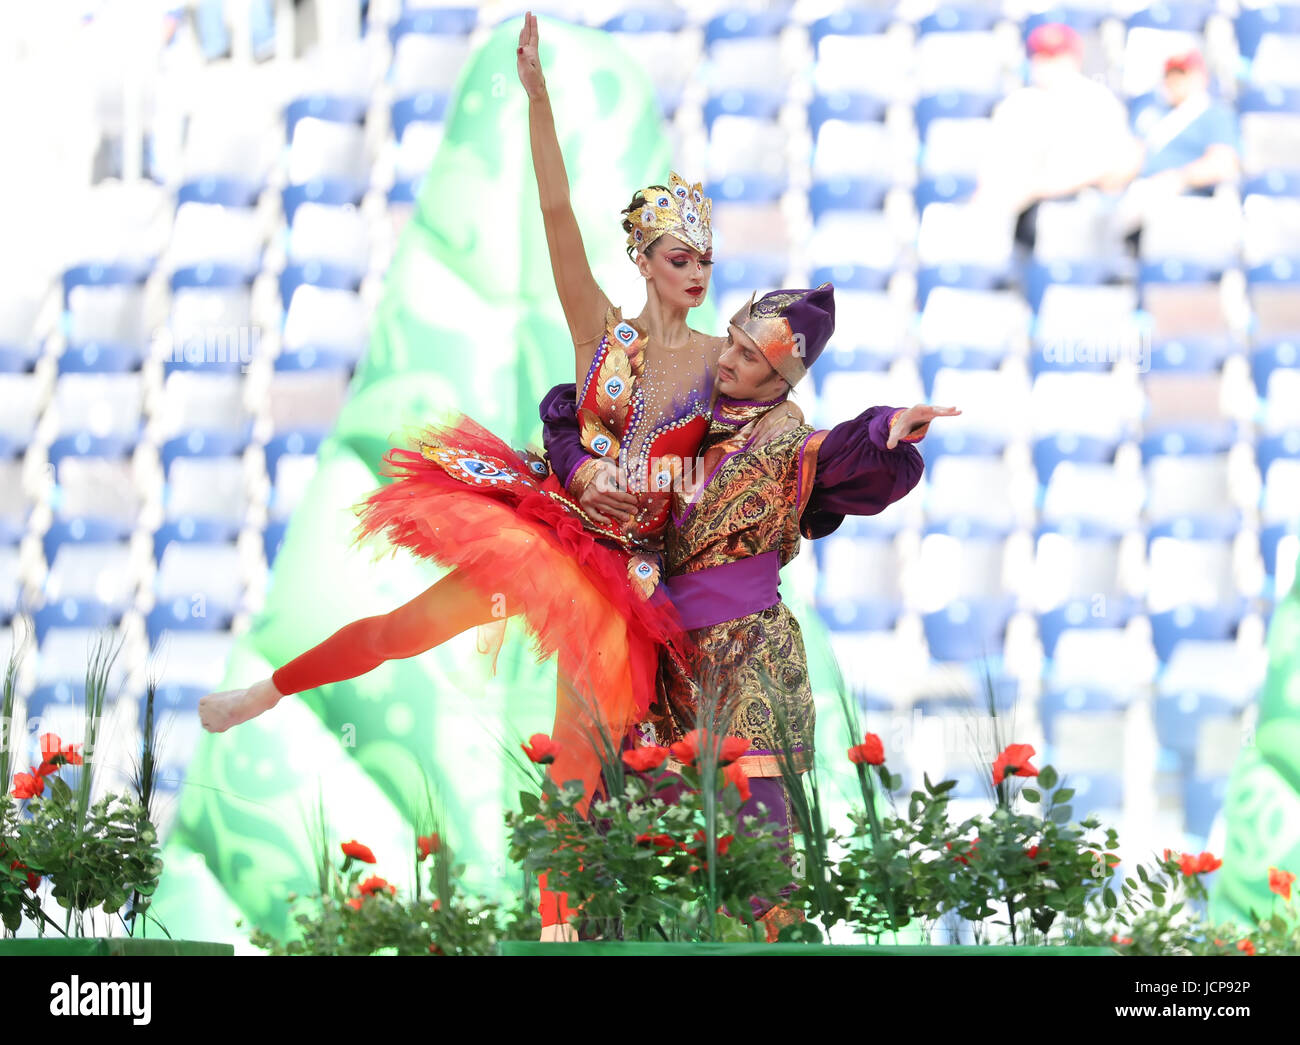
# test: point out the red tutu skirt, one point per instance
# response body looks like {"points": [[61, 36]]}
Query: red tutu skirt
{"points": [[469, 502]]}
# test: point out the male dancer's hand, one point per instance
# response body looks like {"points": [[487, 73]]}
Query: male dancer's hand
{"points": [[915, 418], [604, 499], [775, 423]]}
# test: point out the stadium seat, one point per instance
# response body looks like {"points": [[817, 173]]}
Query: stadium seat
{"points": [[1279, 547], [846, 194], [1079, 613], [94, 477], [1203, 798], [1067, 445], [1086, 328], [218, 236], [654, 37], [1270, 130], [958, 487], [415, 109], [855, 53], [331, 191], [967, 630], [1099, 494], [1170, 627], [744, 48], [327, 318]]}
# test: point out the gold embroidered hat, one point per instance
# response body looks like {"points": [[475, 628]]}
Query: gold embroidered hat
{"points": [[790, 327], [682, 210]]}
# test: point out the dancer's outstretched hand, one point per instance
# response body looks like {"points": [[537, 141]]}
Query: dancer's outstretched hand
{"points": [[529, 64], [915, 418]]}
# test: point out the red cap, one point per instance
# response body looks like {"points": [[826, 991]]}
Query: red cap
{"points": [[1191, 62], [1052, 39]]}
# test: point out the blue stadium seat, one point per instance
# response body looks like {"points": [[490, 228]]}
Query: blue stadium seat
{"points": [[1094, 792], [747, 274], [1184, 17], [852, 22], [331, 108], [951, 105], [425, 107], [966, 444], [296, 442], [1200, 355], [221, 190], [191, 531], [943, 188], [1203, 798], [273, 538], [1043, 274], [851, 106], [1270, 99], [1179, 718], [317, 274], [210, 275], [435, 21], [754, 104], [953, 274], [851, 360], [84, 444], [851, 194], [310, 358], [647, 20], [170, 699], [1188, 439], [1051, 450], [968, 629], [1171, 627], [405, 191], [959, 18], [334, 191], [954, 357], [1270, 538], [74, 613], [1273, 183], [177, 615], [1081, 19], [755, 188], [64, 695], [1077, 613], [865, 614], [741, 24], [198, 443], [101, 358], [1271, 448], [1254, 22], [850, 277], [99, 274]]}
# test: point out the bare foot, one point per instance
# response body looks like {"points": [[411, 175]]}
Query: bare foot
{"points": [[219, 711]]}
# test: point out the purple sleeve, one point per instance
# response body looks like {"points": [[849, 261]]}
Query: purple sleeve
{"points": [[559, 413], [856, 474]]}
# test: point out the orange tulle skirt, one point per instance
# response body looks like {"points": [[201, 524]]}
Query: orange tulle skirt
{"points": [[466, 500]]}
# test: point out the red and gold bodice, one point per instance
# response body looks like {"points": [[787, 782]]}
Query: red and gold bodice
{"points": [[648, 413]]}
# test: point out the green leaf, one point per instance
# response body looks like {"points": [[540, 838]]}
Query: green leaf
{"points": [[1060, 815], [529, 803], [1109, 899], [1031, 794], [1142, 873], [1063, 795], [1047, 777]]}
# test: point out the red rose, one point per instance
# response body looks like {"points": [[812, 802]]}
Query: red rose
{"points": [[1194, 865], [1014, 761], [358, 851], [1280, 882], [733, 774], [428, 845], [1245, 946], [871, 751], [644, 759], [56, 753], [732, 749], [28, 785], [541, 749], [663, 843], [374, 884]]}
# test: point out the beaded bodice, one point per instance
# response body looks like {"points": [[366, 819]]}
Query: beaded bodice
{"points": [[646, 407]]}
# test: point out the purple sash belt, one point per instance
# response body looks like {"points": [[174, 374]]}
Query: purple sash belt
{"points": [[723, 593]]}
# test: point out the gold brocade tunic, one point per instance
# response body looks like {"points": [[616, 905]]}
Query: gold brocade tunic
{"points": [[749, 505]]}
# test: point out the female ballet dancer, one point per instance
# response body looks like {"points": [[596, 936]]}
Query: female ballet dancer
{"points": [[515, 541]]}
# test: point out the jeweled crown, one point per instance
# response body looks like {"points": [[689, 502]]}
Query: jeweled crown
{"points": [[682, 210]]}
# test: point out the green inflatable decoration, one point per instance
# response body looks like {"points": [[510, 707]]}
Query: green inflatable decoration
{"points": [[1262, 808], [468, 320]]}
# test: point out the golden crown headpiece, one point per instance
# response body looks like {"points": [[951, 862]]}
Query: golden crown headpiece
{"points": [[682, 210]]}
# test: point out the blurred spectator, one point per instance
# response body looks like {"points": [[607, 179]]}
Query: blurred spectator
{"points": [[1059, 135], [1189, 142]]}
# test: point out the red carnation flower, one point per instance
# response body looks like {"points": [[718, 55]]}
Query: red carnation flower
{"points": [[871, 751], [1014, 761], [973, 852], [358, 851], [436, 905], [688, 749], [644, 759], [732, 749], [374, 884], [354, 903], [541, 749], [33, 879], [28, 785], [1194, 865], [1121, 940], [733, 774], [1245, 946], [428, 844]]}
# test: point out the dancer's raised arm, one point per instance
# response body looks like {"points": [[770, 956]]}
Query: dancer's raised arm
{"points": [[584, 303]]}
